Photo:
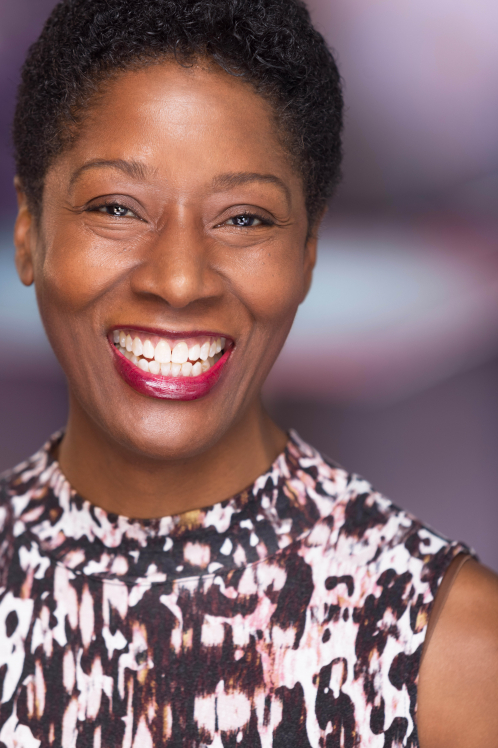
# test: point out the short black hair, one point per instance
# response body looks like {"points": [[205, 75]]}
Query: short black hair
{"points": [[270, 43]]}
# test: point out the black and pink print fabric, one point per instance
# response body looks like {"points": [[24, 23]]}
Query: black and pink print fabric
{"points": [[290, 616]]}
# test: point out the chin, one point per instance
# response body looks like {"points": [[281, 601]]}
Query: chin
{"points": [[174, 430]]}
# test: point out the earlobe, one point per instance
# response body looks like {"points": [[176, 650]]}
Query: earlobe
{"points": [[309, 264], [310, 254], [23, 238]]}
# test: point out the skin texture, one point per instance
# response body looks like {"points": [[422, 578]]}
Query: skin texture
{"points": [[176, 137], [458, 691], [176, 265]]}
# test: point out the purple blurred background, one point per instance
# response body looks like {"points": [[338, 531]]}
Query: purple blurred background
{"points": [[392, 367]]}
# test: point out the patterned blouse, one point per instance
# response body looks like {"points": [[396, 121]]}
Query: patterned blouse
{"points": [[292, 615]]}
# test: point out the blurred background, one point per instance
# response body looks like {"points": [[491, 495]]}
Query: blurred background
{"points": [[392, 366]]}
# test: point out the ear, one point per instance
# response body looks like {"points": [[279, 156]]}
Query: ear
{"points": [[24, 237], [310, 252]]}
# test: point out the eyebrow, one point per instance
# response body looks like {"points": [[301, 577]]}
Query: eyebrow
{"points": [[134, 169], [226, 181], [138, 170]]}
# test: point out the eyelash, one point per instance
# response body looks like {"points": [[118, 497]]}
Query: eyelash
{"points": [[99, 208], [246, 214]]}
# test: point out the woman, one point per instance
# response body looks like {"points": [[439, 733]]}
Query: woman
{"points": [[177, 571]]}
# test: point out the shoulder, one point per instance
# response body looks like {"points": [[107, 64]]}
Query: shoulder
{"points": [[458, 688], [365, 528], [24, 483], [5, 502], [355, 525]]}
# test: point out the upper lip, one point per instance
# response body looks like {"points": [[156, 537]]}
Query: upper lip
{"points": [[180, 334]]}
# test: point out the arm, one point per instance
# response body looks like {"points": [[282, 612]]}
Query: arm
{"points": [[458, 686]]}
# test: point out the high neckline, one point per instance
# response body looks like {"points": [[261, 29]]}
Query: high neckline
{"points": [[258, 522]]}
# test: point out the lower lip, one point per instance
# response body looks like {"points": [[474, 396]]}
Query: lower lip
{"points": [[169, 388]]}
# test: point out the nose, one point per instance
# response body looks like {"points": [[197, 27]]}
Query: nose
{"points": [[176, 265]]}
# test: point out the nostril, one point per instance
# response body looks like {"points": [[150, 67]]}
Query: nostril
{"points": [[176, 270]]}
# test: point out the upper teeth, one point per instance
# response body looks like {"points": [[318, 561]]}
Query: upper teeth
{"points": [[178, 359]]}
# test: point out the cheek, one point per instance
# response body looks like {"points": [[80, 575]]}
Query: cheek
{"points": [[273, 287], [77, 271]]}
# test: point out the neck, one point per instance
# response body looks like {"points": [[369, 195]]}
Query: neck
{"points": [[110, 476]]}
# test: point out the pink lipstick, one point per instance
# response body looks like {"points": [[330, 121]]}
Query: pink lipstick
{"points": [[158, 368]]}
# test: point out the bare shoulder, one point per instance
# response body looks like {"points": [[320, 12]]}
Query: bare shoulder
{"points": [[458, 687]]}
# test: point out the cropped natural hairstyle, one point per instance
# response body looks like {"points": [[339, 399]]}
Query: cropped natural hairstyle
{"points": [[271, 44]]}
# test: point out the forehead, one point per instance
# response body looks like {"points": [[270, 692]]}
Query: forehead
{"points": [[181, 121]]}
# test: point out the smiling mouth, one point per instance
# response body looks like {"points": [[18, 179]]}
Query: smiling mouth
{"points": [[160, 356], [183, 367]]}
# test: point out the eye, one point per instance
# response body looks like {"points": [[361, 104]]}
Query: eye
{"points": [[115, 210], [247, 220]]}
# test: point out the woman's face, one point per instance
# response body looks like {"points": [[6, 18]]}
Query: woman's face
{"points": [[175, 221]]}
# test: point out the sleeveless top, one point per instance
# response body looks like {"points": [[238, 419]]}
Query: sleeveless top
{"points": [[292, 615]]}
